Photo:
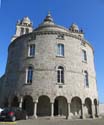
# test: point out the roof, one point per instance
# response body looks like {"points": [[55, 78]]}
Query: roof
{"points": [[49, 25]]}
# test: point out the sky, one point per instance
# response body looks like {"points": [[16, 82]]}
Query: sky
{"points": [[87, 14]]}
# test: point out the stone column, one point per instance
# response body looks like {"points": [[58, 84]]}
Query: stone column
{"points": [[20, 102], [35, 109], [83, 111], [68, 111], [52, 110]]}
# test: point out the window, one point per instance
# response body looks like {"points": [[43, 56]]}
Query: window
{"points": [[60, 50], [60, 74], [86, 79], [27, 30], [29, 75], [22, 31], [84, 56], [31, 50]]}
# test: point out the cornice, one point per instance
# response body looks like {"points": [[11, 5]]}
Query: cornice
{"points": [[32, 36], [64, 33]]}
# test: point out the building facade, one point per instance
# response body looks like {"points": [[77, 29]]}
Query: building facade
{"points": [[50, 71]]}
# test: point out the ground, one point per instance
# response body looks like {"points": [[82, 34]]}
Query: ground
{"points": [[47, 121]]}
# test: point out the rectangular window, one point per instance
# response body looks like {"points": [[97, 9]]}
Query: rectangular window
{"points": [[84, 56], [86, 82], [29, 75], [60, 50], [29, 78], [60, 75], [31, 50], [22, 31]]}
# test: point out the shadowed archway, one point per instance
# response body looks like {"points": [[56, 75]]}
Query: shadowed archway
{"points": [[44, 106], [28, 105], [76, 107], [15, 102], [88, 108], [60, 106]]}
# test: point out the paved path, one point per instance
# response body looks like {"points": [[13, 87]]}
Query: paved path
{"points": [[47, 121]]}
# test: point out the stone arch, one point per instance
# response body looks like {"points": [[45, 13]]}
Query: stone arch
{"points": [[28, 104], [76, 107], [15, 102], [29, 65], [88, 108], [96, 104], [56, 67], [60, 106], [44, 106]]}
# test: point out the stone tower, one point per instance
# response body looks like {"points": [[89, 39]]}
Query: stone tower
{"points": [[23, 27], [51, 72]]}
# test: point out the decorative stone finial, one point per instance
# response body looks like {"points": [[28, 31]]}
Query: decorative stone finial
{"points": [[49, 13], [48, 17]]}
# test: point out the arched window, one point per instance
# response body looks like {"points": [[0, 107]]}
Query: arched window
{"points": [[27, 30], [22, 31], [60, 74], [29, 75], [86, 82], [31, 50], [84, 55], [60, 50]]}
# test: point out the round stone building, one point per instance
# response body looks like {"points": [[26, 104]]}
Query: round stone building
{"points": [[50, 71]]}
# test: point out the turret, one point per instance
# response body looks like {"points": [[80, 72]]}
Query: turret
{"points": [[75, 30], [23, 26], [48, 20]]}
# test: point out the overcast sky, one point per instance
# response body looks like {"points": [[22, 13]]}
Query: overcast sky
{"points": [[87, 14]]}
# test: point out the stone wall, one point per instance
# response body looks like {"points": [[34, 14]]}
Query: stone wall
{"points": [[45, 64]]}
